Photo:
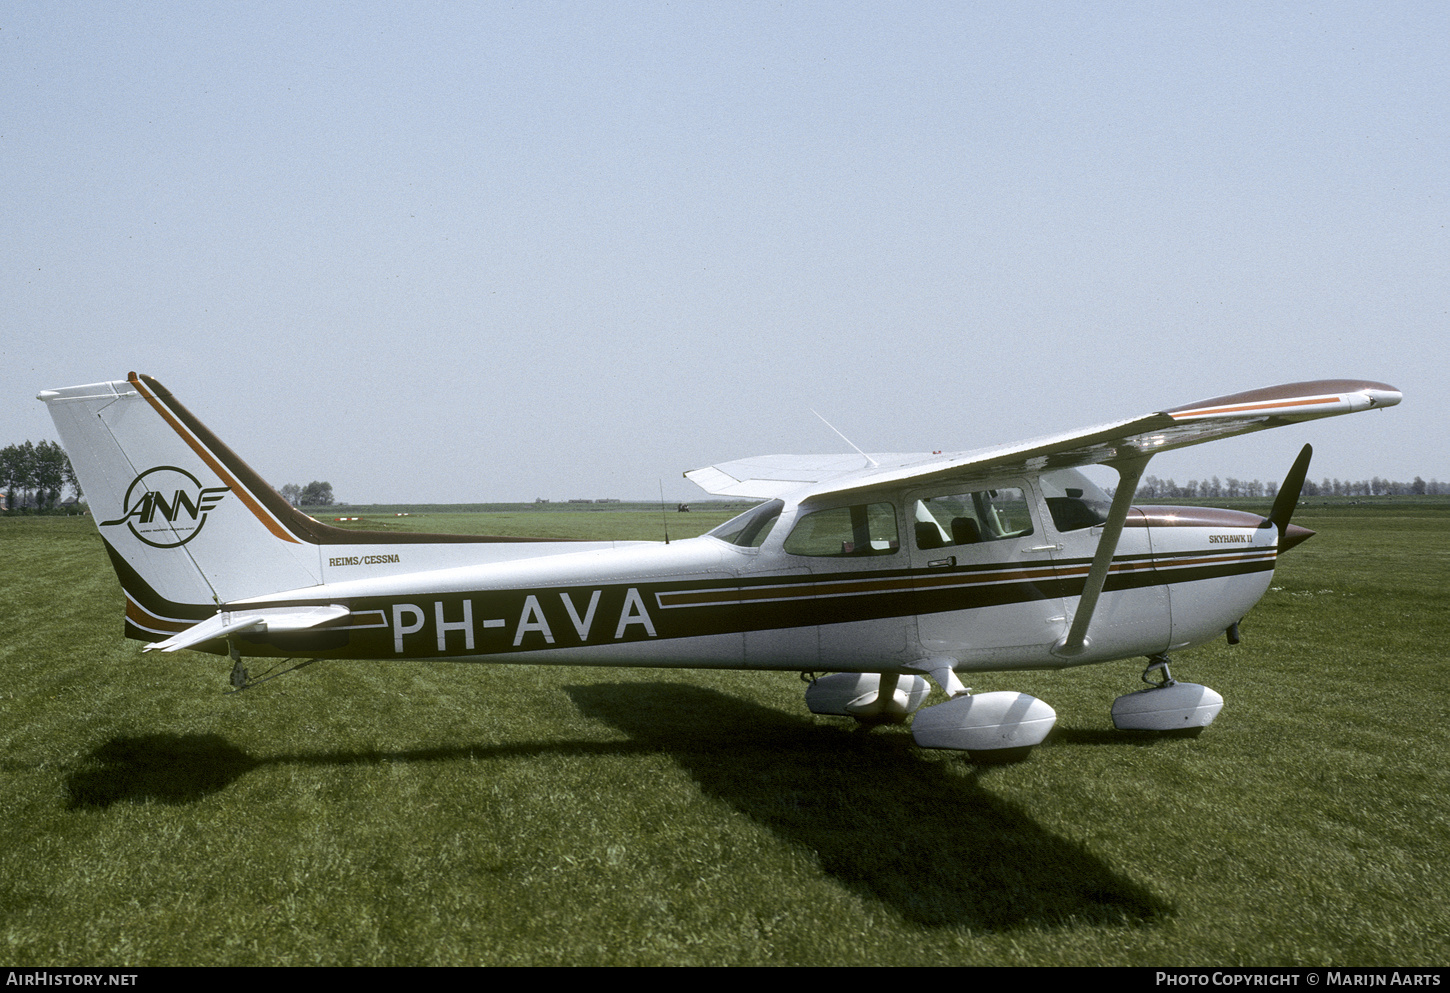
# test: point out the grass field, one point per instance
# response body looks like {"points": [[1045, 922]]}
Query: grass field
{"points": [[404, 813]]}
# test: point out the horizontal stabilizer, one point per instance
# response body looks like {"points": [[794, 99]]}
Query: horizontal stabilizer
{"points": [[262, 620]]}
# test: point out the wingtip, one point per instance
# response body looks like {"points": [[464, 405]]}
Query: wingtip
{"points": [[1382, 395], [1317, 398]]}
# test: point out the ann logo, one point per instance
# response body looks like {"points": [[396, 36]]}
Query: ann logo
{"points": [[166, 506]]}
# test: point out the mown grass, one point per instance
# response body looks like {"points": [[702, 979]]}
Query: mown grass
{"points": [[393, 813]]}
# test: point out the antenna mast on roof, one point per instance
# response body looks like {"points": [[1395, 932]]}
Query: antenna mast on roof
{"points": [[845, 439]]}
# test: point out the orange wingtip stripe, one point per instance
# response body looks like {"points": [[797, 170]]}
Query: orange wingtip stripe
{"points": [[1249, 408], [268, 521]]}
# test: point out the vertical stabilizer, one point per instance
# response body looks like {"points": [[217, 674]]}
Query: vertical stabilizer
{"points": [[187, 523]]}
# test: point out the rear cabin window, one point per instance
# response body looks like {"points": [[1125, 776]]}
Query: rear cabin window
{"points": [[971, 518], [864, 529]]}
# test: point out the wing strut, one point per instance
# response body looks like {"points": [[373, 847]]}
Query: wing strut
{"points": [[1075, 642]]}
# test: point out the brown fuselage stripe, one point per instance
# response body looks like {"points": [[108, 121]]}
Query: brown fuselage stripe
{"points": [[927, 581], [140, 616], [498, 615]]}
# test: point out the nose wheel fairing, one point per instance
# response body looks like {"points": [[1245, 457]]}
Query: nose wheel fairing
{"points": [[1166, 705]]}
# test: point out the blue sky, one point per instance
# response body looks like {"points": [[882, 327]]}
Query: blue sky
{"points": [[459, 252]]}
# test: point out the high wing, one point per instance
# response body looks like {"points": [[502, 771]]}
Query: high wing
{"points": [[803, 476]]}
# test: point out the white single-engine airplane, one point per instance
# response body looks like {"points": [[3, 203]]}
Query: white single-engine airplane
{"points": [[882, 569]]}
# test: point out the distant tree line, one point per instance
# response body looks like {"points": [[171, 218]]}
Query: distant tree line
{"points": [[314, 494], [1152, 487], [33, 475]]}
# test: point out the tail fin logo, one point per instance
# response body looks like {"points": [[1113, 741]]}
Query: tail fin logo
{"points": [[166, 507]]}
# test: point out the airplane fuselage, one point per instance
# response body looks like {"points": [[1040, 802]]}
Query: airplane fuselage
{"points": [[1180, 576]]}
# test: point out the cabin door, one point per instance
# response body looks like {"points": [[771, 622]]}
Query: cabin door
{"points": [[986, 587]]}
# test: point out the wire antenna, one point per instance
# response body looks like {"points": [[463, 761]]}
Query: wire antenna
{"points": [[845, 439], [664, 518]]}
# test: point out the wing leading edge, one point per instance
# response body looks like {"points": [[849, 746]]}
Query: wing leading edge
{"points": [[801, 476]]}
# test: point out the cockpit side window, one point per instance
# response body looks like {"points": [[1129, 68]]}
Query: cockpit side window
{"points": [[1074, 501], [972, 517], [862, 529], [750, 529]]}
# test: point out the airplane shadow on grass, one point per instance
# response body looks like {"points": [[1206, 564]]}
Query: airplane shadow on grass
{"points": [[921, 835], [165, 768], [184, 768], [931, 842]]}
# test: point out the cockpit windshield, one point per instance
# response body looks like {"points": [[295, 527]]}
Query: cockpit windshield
{"points": [[750, 528]]}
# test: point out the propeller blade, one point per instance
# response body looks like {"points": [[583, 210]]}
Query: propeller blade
{"points": [[1288, 497]]}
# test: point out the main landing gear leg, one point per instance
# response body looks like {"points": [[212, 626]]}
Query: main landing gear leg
{"points": [[240, 676], [1167, 704], [1158, 663], [241, 679]]}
